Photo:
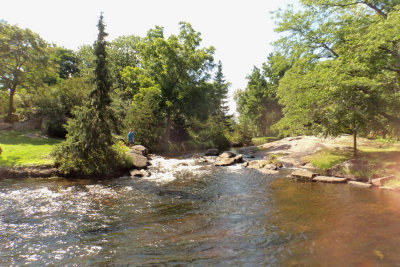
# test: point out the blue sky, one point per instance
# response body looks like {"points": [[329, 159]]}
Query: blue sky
{"points": [[241, 31]]}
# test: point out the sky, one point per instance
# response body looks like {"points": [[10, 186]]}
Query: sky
{"points": [[240, 30]]}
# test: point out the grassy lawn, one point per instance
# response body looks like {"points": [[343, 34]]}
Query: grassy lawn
{"points": [[262, 140], [327, 158], [19, 150]]}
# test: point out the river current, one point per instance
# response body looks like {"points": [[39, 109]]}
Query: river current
{"points": [[189, 212]]}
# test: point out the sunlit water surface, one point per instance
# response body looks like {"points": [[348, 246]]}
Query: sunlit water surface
{"points": [[191, 213]]}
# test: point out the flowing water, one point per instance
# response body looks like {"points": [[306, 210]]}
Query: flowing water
{"points": [[191, 213]]}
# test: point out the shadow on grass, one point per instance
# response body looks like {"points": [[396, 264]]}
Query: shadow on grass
{"points": [[18, 138]]}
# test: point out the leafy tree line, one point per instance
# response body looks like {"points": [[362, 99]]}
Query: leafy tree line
{"points": [[341, 66], [169, 89]]}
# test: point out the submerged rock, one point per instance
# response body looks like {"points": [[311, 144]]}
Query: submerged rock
{"points": [[360, 184], [328, 179]]}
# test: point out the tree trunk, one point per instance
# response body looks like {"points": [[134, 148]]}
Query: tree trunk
{"points": [[355, 142], [11, 104]]}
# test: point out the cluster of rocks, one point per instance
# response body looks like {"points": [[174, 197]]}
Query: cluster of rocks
{"points": [[228, 158], [140, 160], [308, 176]]}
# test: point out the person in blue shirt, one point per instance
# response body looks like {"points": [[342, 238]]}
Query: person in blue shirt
{"points": [[130, 138]]}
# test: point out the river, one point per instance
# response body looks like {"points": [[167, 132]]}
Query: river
{"points": [[192, 213]]}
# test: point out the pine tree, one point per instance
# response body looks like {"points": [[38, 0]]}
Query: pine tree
{"points": [[88, 149], [221, 91]]}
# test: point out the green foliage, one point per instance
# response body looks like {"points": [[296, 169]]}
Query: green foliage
{"points": [[89, 147], [66, 61], [343, 76], [23, 61], [56, 104], [18, 150], [144, 116], [242, 134], [211, 134], [258, 103], [180, 69]]}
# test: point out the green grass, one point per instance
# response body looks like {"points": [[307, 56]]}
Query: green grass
{"points": [[19, 150], [327, 158], [262, 140]]}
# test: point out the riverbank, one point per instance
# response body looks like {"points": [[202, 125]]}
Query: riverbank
{"points": [[334, 157]]}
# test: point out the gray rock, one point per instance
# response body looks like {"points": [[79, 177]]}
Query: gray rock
{"points": [[328, 179], [139, 149], [139, 161], [212, 152]]}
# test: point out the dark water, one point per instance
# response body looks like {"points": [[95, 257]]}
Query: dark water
{"points": [[190, 213]]}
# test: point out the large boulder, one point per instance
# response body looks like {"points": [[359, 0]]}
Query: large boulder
{"points": [[212, 152], [139, 161], [139, 149]]}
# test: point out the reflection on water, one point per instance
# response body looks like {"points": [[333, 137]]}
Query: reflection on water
{"points": [[189, 212]]}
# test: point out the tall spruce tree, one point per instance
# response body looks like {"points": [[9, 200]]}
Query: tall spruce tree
{"points": [[88, 149]]}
